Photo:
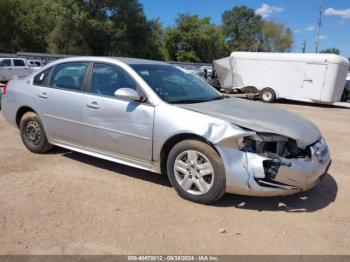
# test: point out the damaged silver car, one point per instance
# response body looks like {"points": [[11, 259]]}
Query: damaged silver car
{"points": [[154, 116]]}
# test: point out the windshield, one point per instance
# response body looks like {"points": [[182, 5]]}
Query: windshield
{"points": [[176, 86]]}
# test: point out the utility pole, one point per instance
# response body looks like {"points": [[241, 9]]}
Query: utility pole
{"points": [[304, 46], [319, 24]]}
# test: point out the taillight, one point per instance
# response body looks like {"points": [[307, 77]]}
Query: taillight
{"points": [[5, 88]]}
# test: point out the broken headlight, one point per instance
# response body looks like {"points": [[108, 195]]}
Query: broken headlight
{"points": [[276, 148], [272, 146]]}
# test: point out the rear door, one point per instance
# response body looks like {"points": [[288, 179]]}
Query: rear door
{"points": [[314, 78], [20, 67], [6, 69], [114, 126], [61, 102]]}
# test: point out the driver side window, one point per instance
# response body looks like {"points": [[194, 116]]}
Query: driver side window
{"points": [[106, 79]]}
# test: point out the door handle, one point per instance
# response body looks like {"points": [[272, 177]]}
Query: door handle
{"points": [[308, 79], [93, 105], [43, 95]]}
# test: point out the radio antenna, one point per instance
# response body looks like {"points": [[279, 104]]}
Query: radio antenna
{"points": [[319, 24]]}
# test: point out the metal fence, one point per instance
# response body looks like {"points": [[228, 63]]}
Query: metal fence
{"points": [[47, 58]]}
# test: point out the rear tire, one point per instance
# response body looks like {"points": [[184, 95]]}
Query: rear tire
{"points": [[196, 172], [267, 95], [33, 134]]}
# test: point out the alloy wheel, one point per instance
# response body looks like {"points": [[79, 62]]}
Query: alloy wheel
{"points": [[194, 172]]}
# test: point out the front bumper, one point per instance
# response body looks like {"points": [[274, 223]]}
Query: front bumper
{"points": [[245, 173]]}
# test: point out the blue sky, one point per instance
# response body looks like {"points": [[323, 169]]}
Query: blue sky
{"points": [[300, 15]]}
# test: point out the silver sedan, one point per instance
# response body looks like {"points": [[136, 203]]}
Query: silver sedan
{"points": [[157, 117]]}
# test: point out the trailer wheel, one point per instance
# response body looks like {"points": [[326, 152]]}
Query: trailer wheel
{"points": [[267, 95], [228, 91], [345, 95]]}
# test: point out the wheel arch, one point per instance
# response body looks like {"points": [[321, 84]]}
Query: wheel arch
{"points": [[249, 89], [172, 141], [21, 111]]}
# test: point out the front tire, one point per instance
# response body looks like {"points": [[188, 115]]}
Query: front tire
{"points": [[33, 134], [196, 172]]}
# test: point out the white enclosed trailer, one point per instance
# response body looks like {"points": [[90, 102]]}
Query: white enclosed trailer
{"points": [[305, 77]]}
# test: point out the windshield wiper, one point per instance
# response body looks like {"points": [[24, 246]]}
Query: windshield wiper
{"points": [[217, 98], [189, 101]]}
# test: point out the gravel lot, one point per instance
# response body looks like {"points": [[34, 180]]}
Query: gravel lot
{"points": [[68, 203]]}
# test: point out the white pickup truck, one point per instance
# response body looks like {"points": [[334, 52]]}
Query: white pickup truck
{"points": [[10, 67]]}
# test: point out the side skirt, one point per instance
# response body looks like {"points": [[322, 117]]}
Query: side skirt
{"points": [[152, 167]]}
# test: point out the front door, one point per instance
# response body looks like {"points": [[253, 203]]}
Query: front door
{"points": [[314, 77], [113, 126], [61, 103]]}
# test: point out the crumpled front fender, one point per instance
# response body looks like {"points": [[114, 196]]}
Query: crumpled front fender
{"points": [[242, 169], [225, 134]]}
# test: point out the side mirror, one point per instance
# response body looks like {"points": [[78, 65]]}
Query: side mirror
{"points": [[128, 94]]}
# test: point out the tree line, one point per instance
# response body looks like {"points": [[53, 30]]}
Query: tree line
{"points": [[121, 28]]}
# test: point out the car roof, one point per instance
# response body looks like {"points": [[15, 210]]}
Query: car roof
{"points": [[125, 60], [2, 58], [101, 59], [138, 61]]}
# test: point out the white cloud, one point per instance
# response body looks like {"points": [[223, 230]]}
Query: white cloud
{"points": [[297, 31], [323, 37], [310, 28], [343, 13], [266, 10]]}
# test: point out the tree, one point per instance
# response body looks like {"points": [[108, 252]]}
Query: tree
{"points": [[24, 25], [194, 39], [330, 51], [80, 27], [105, 28], [129, 28], [242, 28], [120, 28], [70, 32], [133, 35], [8, 26], [154, 46], [275, 37]]}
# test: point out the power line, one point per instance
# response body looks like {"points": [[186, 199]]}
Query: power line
{"points": [[304, 46]]}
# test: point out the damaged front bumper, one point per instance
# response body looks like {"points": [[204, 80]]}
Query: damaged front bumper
{"points": [[251, 174]]}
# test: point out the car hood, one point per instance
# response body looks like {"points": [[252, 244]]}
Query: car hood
{"points": [[260, 118]]}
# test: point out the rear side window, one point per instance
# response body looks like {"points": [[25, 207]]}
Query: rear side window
{"points": [[18, 62], [69, 76], [42, 78], [5, 62]]}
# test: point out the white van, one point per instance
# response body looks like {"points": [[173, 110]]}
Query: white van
{"points": [[10, 67], [304, 77]]}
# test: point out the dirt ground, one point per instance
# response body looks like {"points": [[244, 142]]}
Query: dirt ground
{"points": [[68, 203]]}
